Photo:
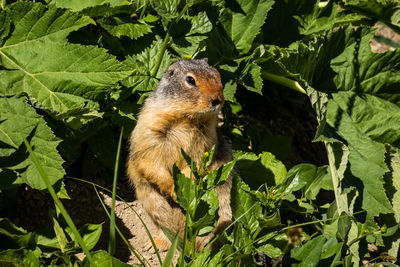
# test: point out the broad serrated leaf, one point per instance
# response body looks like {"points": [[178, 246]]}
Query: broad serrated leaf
{"points": [[243, 22], [19, 120], [143, 66], [324, 17], [188, 35], [166, 8], [363, 151], [252, 80], [392, 186], [58, 77], [4, 25], [78, 5], [386, 11], [125, 26], [359, 69]]}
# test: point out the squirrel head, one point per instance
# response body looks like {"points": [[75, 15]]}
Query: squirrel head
{"points": [[192, 86]]}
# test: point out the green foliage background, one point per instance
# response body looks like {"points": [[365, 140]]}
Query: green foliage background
{"points": [[72, 73]]}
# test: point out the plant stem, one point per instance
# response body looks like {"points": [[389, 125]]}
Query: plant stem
{"points": [[129, 206], [283, 81], [341, 200], [144, 9], [59, 204], [165, 43], [138, 256], [111, 244]]}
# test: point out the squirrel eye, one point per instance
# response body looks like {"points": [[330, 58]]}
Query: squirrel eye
{"points": [[190, 80]]}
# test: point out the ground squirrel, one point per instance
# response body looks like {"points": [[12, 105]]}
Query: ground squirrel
{"points": [[180, 114]]}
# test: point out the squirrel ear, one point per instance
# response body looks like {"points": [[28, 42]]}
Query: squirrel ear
{"points": [[170, 71]]}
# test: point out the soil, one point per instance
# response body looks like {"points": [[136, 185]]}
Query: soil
{"points": [[31, 208]]}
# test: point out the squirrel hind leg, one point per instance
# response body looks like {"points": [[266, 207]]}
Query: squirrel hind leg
{"points": [[163, 213]]}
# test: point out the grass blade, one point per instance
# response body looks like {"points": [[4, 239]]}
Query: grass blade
{"points": [[58, 203], [141, 220], [171, 252], [137, 254], [111, 243]]}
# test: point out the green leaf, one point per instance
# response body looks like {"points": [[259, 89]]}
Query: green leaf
{"points": [[324, 17], [103, 259], [143, 65], [46, 239], [90, 234], [244, 207], [16, 235], [58, 77], [185, 189], [170, 254], [20, 257], [310, 253], [220, 175], [4, 26], [77, 5], [166, 8], [344, 225], [252, 80], [392, 186], [332, 247], [189, 34], [363, 151], [60, 235], [243, 21], [359, 69], [257, 170], [310, 178], [124, 26], [206, 215], [19, 120], [386, 11]]}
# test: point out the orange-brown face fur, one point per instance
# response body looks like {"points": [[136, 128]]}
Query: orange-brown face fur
{"points": [[192, 88]]}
